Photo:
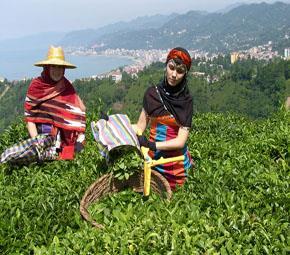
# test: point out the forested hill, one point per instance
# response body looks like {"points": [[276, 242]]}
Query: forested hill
{"points": [[89, 36], [250, 88], [240, 28]]}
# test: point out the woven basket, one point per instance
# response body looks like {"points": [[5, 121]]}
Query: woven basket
{"points": [[107, 184]]}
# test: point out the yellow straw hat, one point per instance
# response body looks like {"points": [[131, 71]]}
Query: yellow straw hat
{"points": [[55, 56]]}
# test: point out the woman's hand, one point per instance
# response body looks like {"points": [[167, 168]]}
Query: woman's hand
{"points": [[104, 116], [78, 147], [143, 141], [32, 130]]}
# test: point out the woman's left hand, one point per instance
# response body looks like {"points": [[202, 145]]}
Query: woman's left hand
{"points": [[104, 116], [143, 141], [78, 147]]}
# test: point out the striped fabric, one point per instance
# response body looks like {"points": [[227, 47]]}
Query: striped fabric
{"points": [[115, 132], [165, 128], [39, 148], [56, 104], [55, 111]]}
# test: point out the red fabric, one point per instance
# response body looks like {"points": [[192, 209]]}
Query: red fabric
{"points": [[58, 104], [67, 152], [42, 91], [53, 104], [175, 53]]}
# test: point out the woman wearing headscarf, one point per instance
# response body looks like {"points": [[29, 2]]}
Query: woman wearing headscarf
{"points": [[168, 108], [53, 107]]}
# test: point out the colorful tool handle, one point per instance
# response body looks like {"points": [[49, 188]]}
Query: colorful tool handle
{"points": [[167, 160], [147, 179]]}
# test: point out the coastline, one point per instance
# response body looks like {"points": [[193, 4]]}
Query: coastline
{"points": [[15, 67], [132, 58], [135, 64], [131, 63]]}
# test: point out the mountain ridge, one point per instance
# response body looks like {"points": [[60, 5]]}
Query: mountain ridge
{"points": [[85, 37], [242, 27], [238, 27]]}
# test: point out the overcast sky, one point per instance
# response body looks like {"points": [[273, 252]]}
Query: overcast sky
{"points": [[25, 17]]}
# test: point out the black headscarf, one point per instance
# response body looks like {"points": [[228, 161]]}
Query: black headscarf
{"points": [[177, 100]]}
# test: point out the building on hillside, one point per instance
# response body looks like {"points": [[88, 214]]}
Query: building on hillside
{"points": [[287, 53], [234, 57], [99, 76], [212, 78], [133, 70], [261, 52], [116, 76], [198, 74]]}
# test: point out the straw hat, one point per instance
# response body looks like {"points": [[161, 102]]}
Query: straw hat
{"points": [[55, 56]]}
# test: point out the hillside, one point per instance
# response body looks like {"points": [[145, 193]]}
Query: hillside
{"points": [[240, 28], [236, 201], [11, 105], [249, 87]]}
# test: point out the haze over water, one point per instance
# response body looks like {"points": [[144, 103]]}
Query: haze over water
{"points": [[18, 64]]}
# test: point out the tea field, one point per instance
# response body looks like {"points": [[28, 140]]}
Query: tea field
{"points": [[236, 200]]}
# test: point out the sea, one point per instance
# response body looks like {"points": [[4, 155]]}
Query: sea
{"points": [[18, 64]]}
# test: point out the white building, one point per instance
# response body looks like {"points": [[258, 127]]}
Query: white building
{"points": [[2, 79], [116, 76], [287, 53]]}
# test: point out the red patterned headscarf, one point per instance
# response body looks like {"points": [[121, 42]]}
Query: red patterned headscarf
{"points": [[181, 54]]}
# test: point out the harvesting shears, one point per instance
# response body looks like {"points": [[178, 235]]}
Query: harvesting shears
{"points": [[149, 163]]}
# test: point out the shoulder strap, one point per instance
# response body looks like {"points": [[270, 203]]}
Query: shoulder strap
{"points": [[157, 91]]}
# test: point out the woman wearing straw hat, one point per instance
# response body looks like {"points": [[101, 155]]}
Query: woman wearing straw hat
{"points": [[53, 107], [168, 108]]}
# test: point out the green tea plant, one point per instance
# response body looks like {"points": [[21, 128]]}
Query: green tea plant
{"points": [[124, 162], [235, 201]]}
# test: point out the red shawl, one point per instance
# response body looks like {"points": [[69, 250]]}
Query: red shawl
{"points": [[56, 104]]}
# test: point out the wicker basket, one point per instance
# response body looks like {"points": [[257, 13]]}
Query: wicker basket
{"points": [[107, 184]]}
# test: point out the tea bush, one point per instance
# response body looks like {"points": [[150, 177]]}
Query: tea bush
{"points": [[124, 162], [236, 201]]}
